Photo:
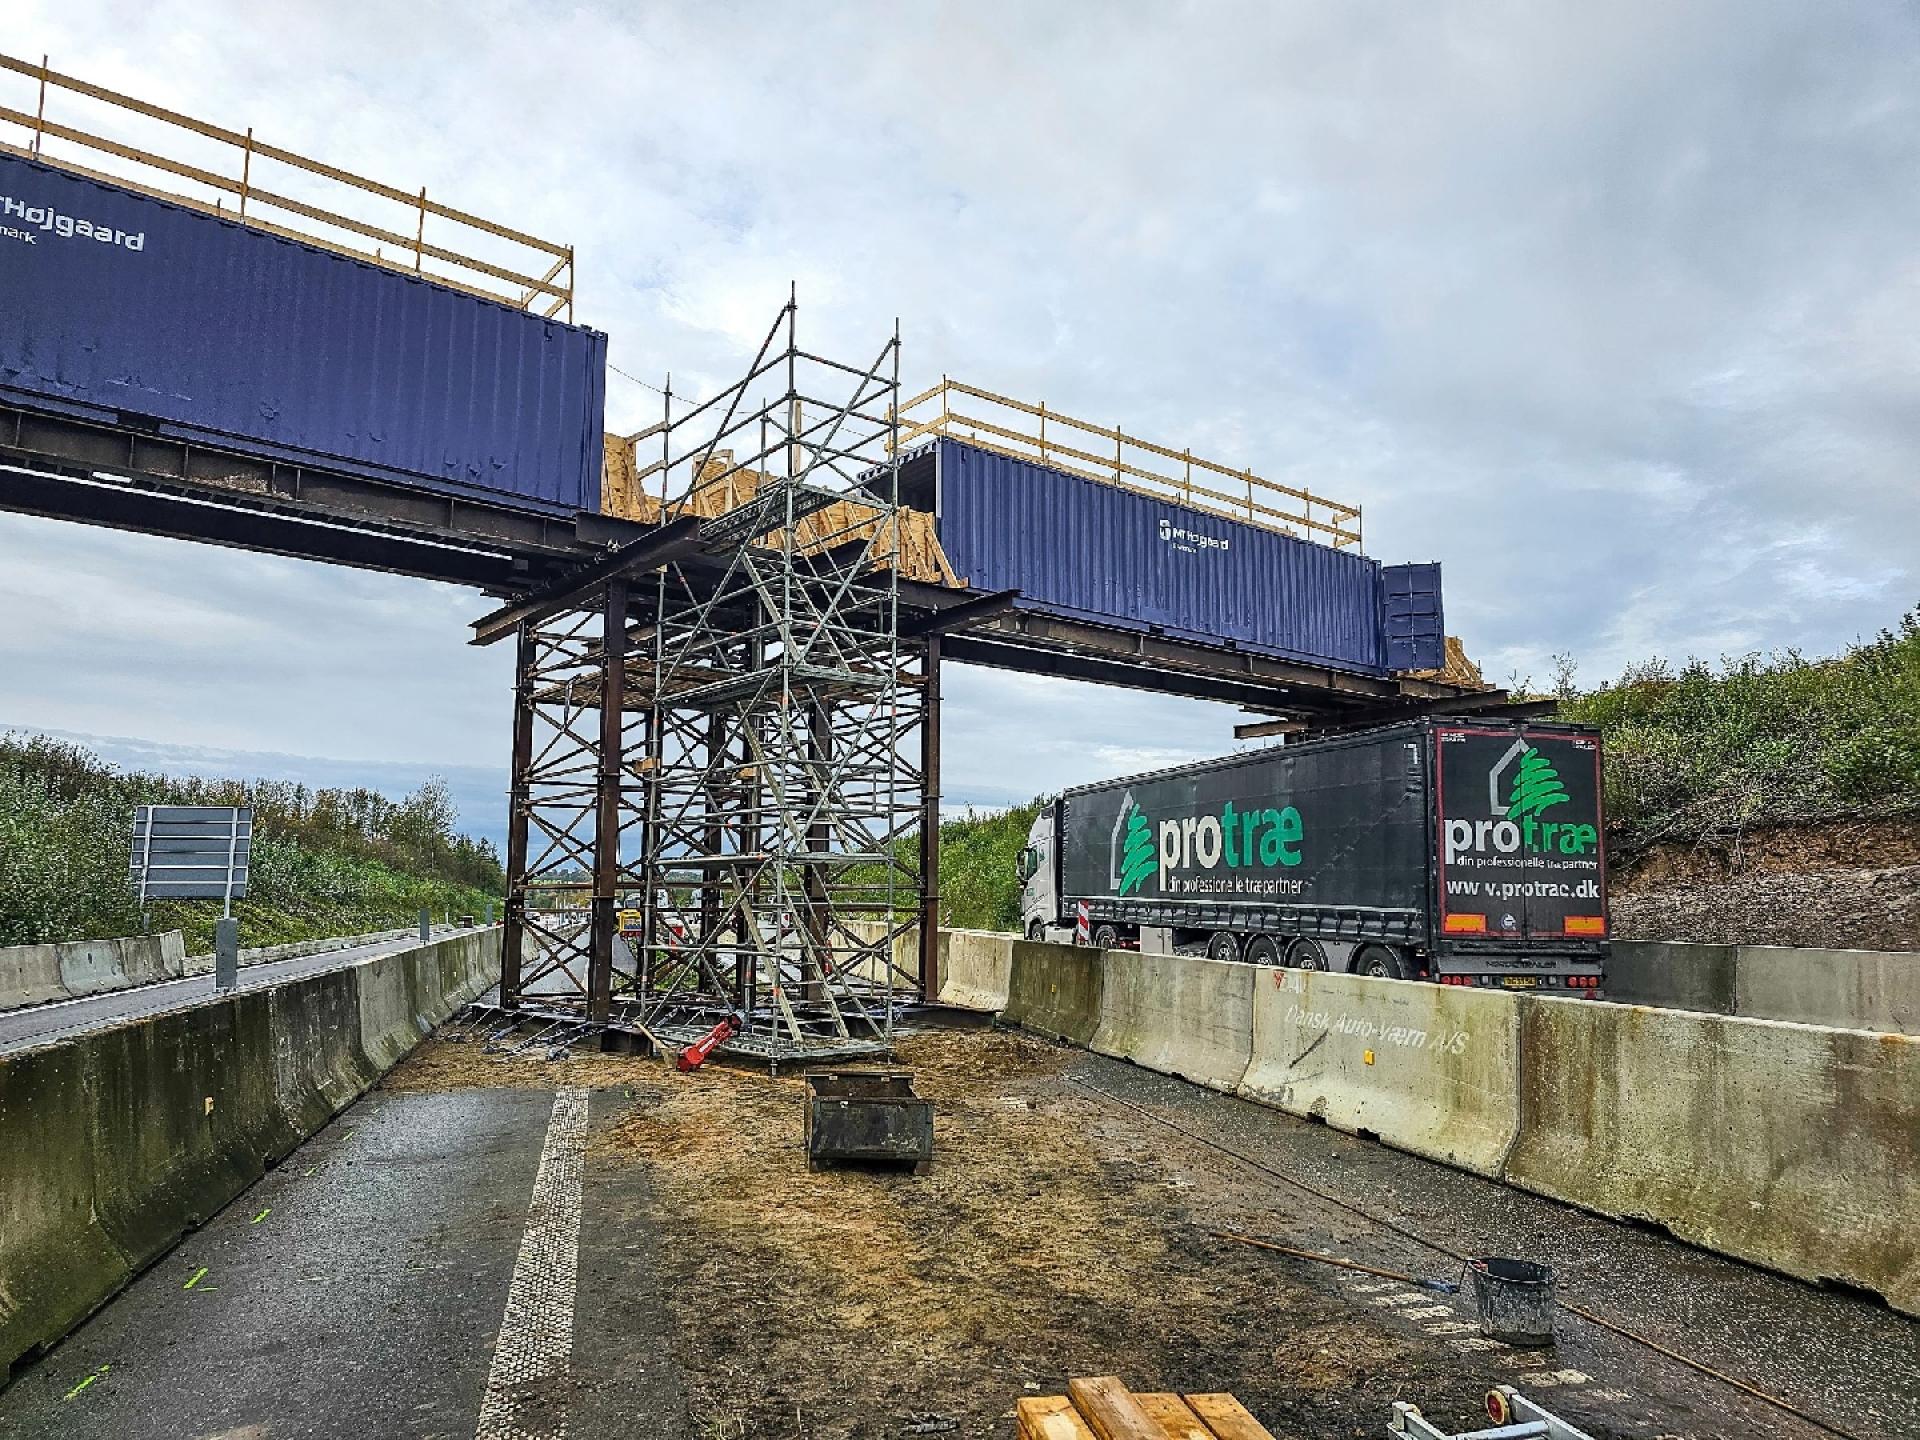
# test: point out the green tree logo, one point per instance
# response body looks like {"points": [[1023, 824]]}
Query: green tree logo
{"points": [[1137, 855], [1536, 786]]}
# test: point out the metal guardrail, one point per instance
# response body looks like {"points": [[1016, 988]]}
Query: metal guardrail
{"points": [[1033, 432], [547, 294]]}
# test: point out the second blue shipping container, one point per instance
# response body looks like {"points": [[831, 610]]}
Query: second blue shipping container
{"points": [[1091, 551], [130, 310]]}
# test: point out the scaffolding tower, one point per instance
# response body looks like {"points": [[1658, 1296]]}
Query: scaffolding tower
{"points": [[721, 728]]}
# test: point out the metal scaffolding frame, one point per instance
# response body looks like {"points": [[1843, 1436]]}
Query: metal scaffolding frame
{"points": [[723, 727]]}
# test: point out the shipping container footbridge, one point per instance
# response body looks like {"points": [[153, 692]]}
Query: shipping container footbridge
{"points": [[729, 627]]}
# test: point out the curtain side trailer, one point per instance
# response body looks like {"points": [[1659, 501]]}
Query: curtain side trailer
{"points": [[1467, 852]]}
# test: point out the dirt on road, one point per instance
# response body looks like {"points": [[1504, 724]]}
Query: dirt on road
{"points": [[1051, 1237]]}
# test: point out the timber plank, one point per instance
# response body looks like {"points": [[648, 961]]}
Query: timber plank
{"points": [[1228, 1418], [1050, 1417], [1112, 1412], [1172, 1414]]}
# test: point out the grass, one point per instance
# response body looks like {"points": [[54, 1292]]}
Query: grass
{"points": [[325, 862]]}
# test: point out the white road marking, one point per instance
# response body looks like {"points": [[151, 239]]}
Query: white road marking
{"points": [[536, 1333]]}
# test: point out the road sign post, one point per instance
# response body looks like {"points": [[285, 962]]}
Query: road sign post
{"points": [[226, 953]]}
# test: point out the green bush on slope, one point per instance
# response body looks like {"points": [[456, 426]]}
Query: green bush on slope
{"points": [[325, 862]]}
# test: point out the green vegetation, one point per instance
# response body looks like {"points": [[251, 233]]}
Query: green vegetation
{"points": [[325, 862], [1701, 752], [978, 887]]}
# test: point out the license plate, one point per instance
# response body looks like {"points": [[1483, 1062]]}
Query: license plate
{"points": [[1520, 982]]}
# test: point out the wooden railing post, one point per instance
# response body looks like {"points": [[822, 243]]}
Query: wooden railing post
{"points": [[40, 115]]}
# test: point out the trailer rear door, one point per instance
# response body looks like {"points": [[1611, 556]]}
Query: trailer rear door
{"points": [[1521, 850]]}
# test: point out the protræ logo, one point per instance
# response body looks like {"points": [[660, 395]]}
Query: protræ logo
{"points": [[1516, 825], [1136, 855], [1238, 839]]}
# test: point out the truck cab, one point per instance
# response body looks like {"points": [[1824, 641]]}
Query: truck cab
{"points": [[1040, 891]]}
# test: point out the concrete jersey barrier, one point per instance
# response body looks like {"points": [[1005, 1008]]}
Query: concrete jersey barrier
{"points": [[1432, 1069], [1054, 990], [1187, 1017], [1788, 1145], [116, 1142], [1848, 989], [36, 974], [976, 969]]}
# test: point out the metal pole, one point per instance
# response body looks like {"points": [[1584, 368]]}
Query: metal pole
{"points": [[519, 796], [930, 827], [606, 824], [233, 847]]}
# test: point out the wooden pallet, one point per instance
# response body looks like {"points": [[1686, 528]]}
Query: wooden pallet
{"points": [[1102, 1408]]}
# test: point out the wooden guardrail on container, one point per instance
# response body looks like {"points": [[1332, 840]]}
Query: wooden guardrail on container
{"points": [[1034, 432], [506, 275]]}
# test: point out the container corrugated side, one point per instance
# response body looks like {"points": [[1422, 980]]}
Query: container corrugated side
{"points": [[1085, 550], [227, 334]]}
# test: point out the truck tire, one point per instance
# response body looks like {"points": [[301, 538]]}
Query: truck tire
{"points": [[1262, 950], [1383, 962], [1105, 937], [1224, 945], [1305, 953], [1036, 931]]}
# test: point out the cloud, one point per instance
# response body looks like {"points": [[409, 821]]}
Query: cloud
{"points": [[1613, 310]]}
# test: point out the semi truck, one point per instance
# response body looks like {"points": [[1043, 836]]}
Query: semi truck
{"points": [[1466, 852]]}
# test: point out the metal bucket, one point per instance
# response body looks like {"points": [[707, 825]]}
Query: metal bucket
{"points": [[1515, 1300]]}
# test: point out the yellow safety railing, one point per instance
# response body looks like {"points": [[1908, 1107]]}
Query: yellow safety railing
{"points": [[510, 278], [1034, 432]]}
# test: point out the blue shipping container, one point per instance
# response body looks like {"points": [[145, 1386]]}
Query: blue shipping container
{"points": [[1088, 551], [114, 304]]}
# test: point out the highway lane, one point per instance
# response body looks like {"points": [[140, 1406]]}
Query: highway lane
{"points": [[63, 1019], [360, 1289]]}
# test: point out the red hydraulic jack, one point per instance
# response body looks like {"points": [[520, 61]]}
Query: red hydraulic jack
{"points": [[695, 1055]]}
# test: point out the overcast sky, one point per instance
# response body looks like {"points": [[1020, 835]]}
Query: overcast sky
{"points": [[1612, 309]]}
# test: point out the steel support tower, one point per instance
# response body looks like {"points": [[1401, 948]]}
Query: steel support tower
{"points": [[722, 729]]}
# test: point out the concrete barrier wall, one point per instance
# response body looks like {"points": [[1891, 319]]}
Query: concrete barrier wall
{"points": [[36, 974], [117, 1142], [1788, 1145], [1848, 989], [1187, 1017], [1054, 990], [1426, 1068], [976, 969]]}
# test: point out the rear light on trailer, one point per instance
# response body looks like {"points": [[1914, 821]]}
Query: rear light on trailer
{"points": [[1586, 925], [1584, 982], [1467, 924]]}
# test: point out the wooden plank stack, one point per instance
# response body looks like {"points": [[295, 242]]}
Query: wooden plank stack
{"points": [[1102, 1408]]}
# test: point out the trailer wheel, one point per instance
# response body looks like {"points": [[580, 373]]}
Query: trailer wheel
{"points": [[1261, 950], [1304, 953], [1223, 946], [1105, 938], [1382, 962]]}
